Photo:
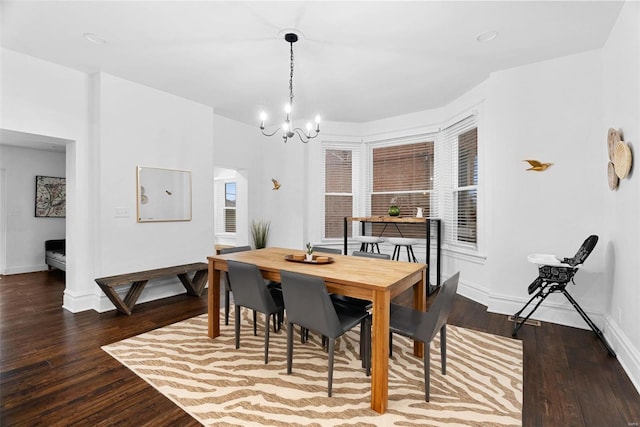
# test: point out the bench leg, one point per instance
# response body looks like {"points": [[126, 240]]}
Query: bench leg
{"points": [[196, 286], [130, 298], [134, 293]]}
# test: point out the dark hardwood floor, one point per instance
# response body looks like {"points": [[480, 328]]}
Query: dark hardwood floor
{"points": [[53, 372]]}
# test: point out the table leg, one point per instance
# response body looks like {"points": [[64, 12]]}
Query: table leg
{"points": [[380, 351], [420, 303], [214, 300], [344, 228]]}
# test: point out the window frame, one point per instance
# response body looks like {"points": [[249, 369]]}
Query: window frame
{"points": [[450, 168], [354, 148], [226, 208]]}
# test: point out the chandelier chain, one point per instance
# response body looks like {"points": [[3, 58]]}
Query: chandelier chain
{"points": [[291, 77], [288, 129]]}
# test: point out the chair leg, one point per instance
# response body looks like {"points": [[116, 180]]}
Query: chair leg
{"points": [[289, 347], [332, 342], [255, 324], [390, 343], [226, 305], [413, 256], [367, 347], [542, 294], [237, 325], [443, 348], [361, 354], [427, 371], [396, 251], [592, 325], [266, 338], [377, 248]]}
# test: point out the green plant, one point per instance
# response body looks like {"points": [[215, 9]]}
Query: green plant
{"points": [[260, 232], [394, 210], [309, 248]]}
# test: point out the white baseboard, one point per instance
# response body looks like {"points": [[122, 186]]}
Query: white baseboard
{"points": [[75, 303], [627, 354], [25, 269]]}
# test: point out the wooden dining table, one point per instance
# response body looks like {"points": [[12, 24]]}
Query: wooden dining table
{"points": [[375, 280]]}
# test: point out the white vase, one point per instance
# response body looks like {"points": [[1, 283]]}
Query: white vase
{"points": [[308, 257]]}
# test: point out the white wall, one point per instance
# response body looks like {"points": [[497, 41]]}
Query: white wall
{"points": [[239, 147], [42, 98], [621, 56], [114, 125], [550, 111], [140, 126], [26, 234]]}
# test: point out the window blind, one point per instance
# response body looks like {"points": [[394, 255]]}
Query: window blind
{"points": [[459, 170], [340, 178], [402, 175]]}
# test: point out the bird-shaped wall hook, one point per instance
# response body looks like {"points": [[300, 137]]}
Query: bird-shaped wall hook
{"points": [[168, 192], [276, 184], [537, 165]]}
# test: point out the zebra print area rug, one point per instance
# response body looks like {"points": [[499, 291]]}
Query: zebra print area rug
{"points": [[219, 385]]}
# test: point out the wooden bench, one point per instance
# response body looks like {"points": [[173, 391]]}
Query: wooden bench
{"points": [[139, 280]]}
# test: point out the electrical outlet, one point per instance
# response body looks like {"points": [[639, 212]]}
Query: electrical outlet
{"points": [[121, 213]]}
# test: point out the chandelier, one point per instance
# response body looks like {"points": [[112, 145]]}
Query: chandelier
{"points": [[288, 130]]}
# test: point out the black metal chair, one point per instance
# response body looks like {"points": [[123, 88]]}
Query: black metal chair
{"points": [[360, 303], [308, 305], [327, 250], [227, 282], [249, 290], [553, 276], [424, 325], [371, 255]]}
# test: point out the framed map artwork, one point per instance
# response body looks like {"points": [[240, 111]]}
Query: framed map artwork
{"points": [[51, 197]]}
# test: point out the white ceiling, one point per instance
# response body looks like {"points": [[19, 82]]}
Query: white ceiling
{"points": [[357, 61]]}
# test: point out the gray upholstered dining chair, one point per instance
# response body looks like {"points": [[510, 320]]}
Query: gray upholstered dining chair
{"points": [[250, 291], [425, 325], [304, 334], [361, 304], [371, 255], [227, 282], [327, 250], [308, 305]]}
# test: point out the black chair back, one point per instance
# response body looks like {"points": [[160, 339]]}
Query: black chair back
{"points": [[249, 289], [432, 321], [583, 253], [371, 255], [234, 249], [308, 304], [326, 250]]}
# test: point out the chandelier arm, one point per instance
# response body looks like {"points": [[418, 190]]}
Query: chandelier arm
{"points": [[300, 131], [269, 134], [303, 137]]}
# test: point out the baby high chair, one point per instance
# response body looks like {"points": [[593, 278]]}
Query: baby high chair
{"points": [[553, 276]]}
